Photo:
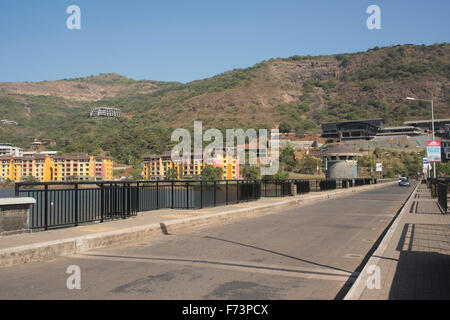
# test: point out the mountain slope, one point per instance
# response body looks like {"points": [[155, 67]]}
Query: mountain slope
{"points": [[303, 91]]}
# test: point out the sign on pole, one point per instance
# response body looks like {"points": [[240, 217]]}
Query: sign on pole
{"points": [[434, 151], [379, 167]]}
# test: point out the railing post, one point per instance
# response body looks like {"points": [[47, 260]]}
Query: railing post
{"points": [[226, 192], [46, 207], [247, 190], [102, 204], [157, 194], [187, 194], [237, 188], [201, 194], [172, 196], [214, 193], [16, 189], [76, 205], [123, 200], [138, 205], [128, 193], [276, 188]]}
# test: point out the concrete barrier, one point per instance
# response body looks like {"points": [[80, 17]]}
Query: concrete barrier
{"points": [[15, 215]]}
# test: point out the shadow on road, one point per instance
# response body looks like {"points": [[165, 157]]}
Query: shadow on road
{"points": [[278, 253]]}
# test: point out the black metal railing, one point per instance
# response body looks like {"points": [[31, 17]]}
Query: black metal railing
{"points": [[281, 188], [439, 189], [316, 185], [303, 186], [61, 204]]}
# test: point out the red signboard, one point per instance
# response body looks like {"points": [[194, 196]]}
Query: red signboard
{"points": [[434, 143], [434, 151]]}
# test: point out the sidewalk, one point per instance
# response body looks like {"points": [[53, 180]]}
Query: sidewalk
{"points": [[46, 245], [414, 256]]}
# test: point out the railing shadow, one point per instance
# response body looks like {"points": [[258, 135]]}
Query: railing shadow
{"points": [[421, 274]]}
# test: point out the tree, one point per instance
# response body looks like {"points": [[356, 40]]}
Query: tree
{"points": [[172, 174], [136, 174], [280, 175], [287, 157], [251, 173], [72, 178], [377, 152], [30, 179], [443, 169], [8, 181], [211, 173], [308, 164], [285, 127]]}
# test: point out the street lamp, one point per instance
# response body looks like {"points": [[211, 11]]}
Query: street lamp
{"points": [[432, 123]]}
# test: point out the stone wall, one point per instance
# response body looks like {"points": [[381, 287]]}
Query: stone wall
{"points": [[14, 215]]}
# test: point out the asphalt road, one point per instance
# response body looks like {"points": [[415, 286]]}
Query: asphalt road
{"points": [[305, 252]]}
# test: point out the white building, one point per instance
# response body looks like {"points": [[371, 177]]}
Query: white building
{"points": [[105, 112], [32, 153], [7, 149]]}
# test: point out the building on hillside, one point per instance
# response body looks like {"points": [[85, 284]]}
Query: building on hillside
{"points": [[402, 130], [156, 167], [440, 125], [357, 129], [445, 149], [46, 168], [7, 149], [369, 129], [105, 112], [50, 142], [32, 153], [36, 144], [6, 122], [341, 162]]}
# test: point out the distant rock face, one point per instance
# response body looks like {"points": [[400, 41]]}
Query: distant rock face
{"points": [[78, 90], [302, 70]]}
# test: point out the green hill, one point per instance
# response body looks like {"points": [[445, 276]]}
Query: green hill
{"points": [[301, 90]]}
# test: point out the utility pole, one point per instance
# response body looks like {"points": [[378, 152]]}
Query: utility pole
{"points": [[432, 124]]}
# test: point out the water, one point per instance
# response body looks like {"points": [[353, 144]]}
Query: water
{"points": [[6, 193]]}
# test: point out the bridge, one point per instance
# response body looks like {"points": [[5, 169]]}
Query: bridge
{"points": [[313, 245]]}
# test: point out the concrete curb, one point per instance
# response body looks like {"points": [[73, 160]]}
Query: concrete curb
{"points": [[52, 249], [16, 201], [360, 284]]}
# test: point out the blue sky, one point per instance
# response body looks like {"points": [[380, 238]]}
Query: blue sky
{"points": [[188, 40]]}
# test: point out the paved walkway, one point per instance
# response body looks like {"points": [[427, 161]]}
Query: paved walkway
{"points": [[414, 258], [143, 218]]}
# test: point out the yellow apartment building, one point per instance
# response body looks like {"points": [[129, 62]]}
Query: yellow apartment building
{"points": [[156, 167], [47, 168]]}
